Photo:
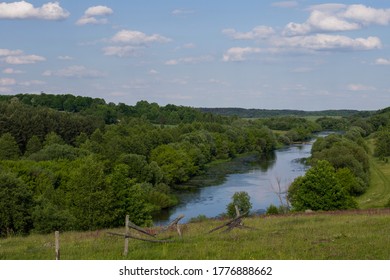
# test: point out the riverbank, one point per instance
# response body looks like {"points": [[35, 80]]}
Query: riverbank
{"points": [[341, 235]]}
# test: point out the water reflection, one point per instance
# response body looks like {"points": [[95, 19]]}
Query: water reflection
{"points": [[258, 178]]}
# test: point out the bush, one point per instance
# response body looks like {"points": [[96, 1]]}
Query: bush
{"points": [[242, 200], [272, 210], [320, 189]]}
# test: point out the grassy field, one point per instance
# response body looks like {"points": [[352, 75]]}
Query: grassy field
{"points": [[337, 235]]}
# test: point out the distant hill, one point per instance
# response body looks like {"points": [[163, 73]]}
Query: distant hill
{"points": [[263, 113]]}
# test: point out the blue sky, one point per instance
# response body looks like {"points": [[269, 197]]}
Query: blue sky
{"points": [[309, 55]]}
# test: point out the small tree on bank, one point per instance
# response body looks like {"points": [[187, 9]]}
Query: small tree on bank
{"points": [[242, 201]]}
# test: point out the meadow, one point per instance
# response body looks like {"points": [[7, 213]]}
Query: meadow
{"points": [[348, 235]]}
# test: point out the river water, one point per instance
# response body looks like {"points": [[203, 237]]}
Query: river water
{"points": [[258, 180]]}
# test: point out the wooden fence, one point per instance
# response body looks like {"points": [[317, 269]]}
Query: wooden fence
{"points": [[147, 236]]}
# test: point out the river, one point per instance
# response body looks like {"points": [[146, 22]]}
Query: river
{"points": [[258, 180]]}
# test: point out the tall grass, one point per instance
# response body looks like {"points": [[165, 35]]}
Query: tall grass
{"points": [[340, 235]]}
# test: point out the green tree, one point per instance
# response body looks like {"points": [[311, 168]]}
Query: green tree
{"points": [[129, 198], [89, 197], [33, 145], [9, 149], [382, 148], [242, 201], [53, 138], [174, 162], [319, 189], [15, 205], [50, 212]]}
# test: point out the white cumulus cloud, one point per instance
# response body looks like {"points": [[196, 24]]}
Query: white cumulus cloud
{"points": [[239, 54], [367, 15], [19, 57], [26, 10], [325, 42], [98, 11], [190, 60], [337, 18], [24, 59], [120, 51], [259, 32], [95, 15], [134, 37]]}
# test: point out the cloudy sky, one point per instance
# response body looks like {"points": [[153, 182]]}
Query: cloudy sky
{"points": [[306, 54]]}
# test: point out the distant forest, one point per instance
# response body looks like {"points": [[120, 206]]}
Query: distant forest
{"points": [[264, 113]]}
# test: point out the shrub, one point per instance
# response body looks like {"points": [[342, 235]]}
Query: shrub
{"points": [[272, 210], [319, 189], [242, 200]]}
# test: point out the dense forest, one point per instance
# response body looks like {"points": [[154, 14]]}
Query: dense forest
{"points": [[76, 163]]}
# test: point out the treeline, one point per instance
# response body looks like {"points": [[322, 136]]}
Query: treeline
{"points": [[111, 112], [264, 113], [340, 164], [74, 171]]}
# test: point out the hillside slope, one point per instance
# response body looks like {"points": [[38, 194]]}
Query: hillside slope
{"points": [[350, 235]]}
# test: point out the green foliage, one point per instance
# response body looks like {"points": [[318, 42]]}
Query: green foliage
{"points": [[33, 145], [50, 213], [335, 124], [354, 185], [53, 138], [58, 152], [319, 189], [347, 151], [129, 198], [382, 148], [272, 210], [91, 198], [263, 113], [175, 162], [15, 205], [23, 122], [198, 219], [242, 201], [9, 148]]}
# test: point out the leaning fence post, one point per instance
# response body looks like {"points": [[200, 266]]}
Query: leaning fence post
{"points": [[57, 244], [126, 250]]}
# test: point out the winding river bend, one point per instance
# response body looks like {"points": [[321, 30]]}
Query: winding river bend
{"points": [[258, 180]]}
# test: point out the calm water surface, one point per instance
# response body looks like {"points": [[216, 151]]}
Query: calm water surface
{"points": [[259, 182]]}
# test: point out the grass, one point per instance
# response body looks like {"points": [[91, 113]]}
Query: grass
{"points": [[378, 194], [337, 235]]}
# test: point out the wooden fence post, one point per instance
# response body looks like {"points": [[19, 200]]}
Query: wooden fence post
{"points": [[57, 244], [126, 250]]}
